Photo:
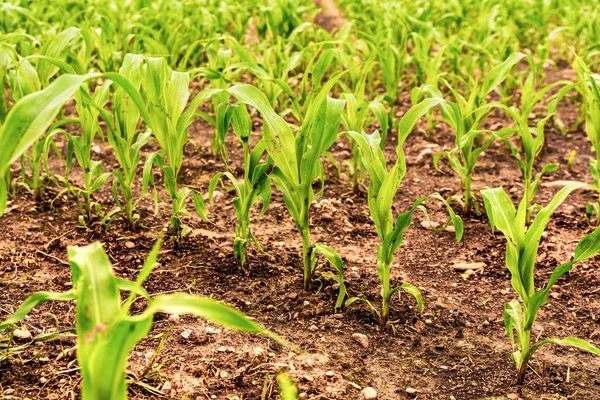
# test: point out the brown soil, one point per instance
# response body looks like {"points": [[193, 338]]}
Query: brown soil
{"points": [[457, 347]]}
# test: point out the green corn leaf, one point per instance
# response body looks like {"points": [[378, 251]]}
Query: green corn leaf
{"points": [[33, 301], [287, 387], [569, 341], [96, 288], [501, 212], [413, 291], [588, 247], [278, 136], [367, 302], [334, 258]]}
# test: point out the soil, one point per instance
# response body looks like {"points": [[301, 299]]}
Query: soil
{"points": [[455, 349]]}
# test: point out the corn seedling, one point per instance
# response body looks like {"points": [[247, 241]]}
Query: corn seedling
{"points": [[465, 116], [166, 93], [358, 115], [383, 186], [254, 186], [30, 117], [590, 90], [87, 109], [522, 244], [127, 142], [297, 158], [531, 138], [106, 331], [26, 79]]}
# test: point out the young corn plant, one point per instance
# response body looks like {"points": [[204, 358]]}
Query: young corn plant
{"points": [[25, 79], [589, 87], [254, 186], [383, 186], [88, 110], [522, 242], [107, 331], [126, 141], [531, 138], [358, 115], [30, 117], [465, 116], [297, 158], [166, 93]]}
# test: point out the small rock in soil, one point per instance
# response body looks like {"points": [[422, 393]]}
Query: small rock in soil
{"points": [[173, 318], [270, 307], [217, 195], [354, 276], [369, 393], [22, 334], [429, 224], [292, 296], [130, 245], [361, 339], [419, 326], [303, 396], [212, 331], [166, 387], [410, 390], [326, 217], [354, 385], [44, 359], [186, 333], [313, 328], [463, 266], [43, 380], [330, 374]]}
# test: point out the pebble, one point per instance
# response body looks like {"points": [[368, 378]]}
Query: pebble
{"points": [[354, 276], [186, 333], [464, 266], [354, 385], [166, 387], [369, 393], [361, 339], [43, 380], [130, 245], [292, 296], [326, 217], [306, 303], [22, 334], [338, 316], [313, 328], [212, 331], [303, 396], [410, 390], [270, 307], [330, 374], [217, 195], [44, 359], [173, 318]]}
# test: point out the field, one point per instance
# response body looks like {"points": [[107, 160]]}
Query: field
{"points": [[349, 199]]}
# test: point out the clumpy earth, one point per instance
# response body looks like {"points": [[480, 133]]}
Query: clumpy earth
{"points": [[455, 349]]}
